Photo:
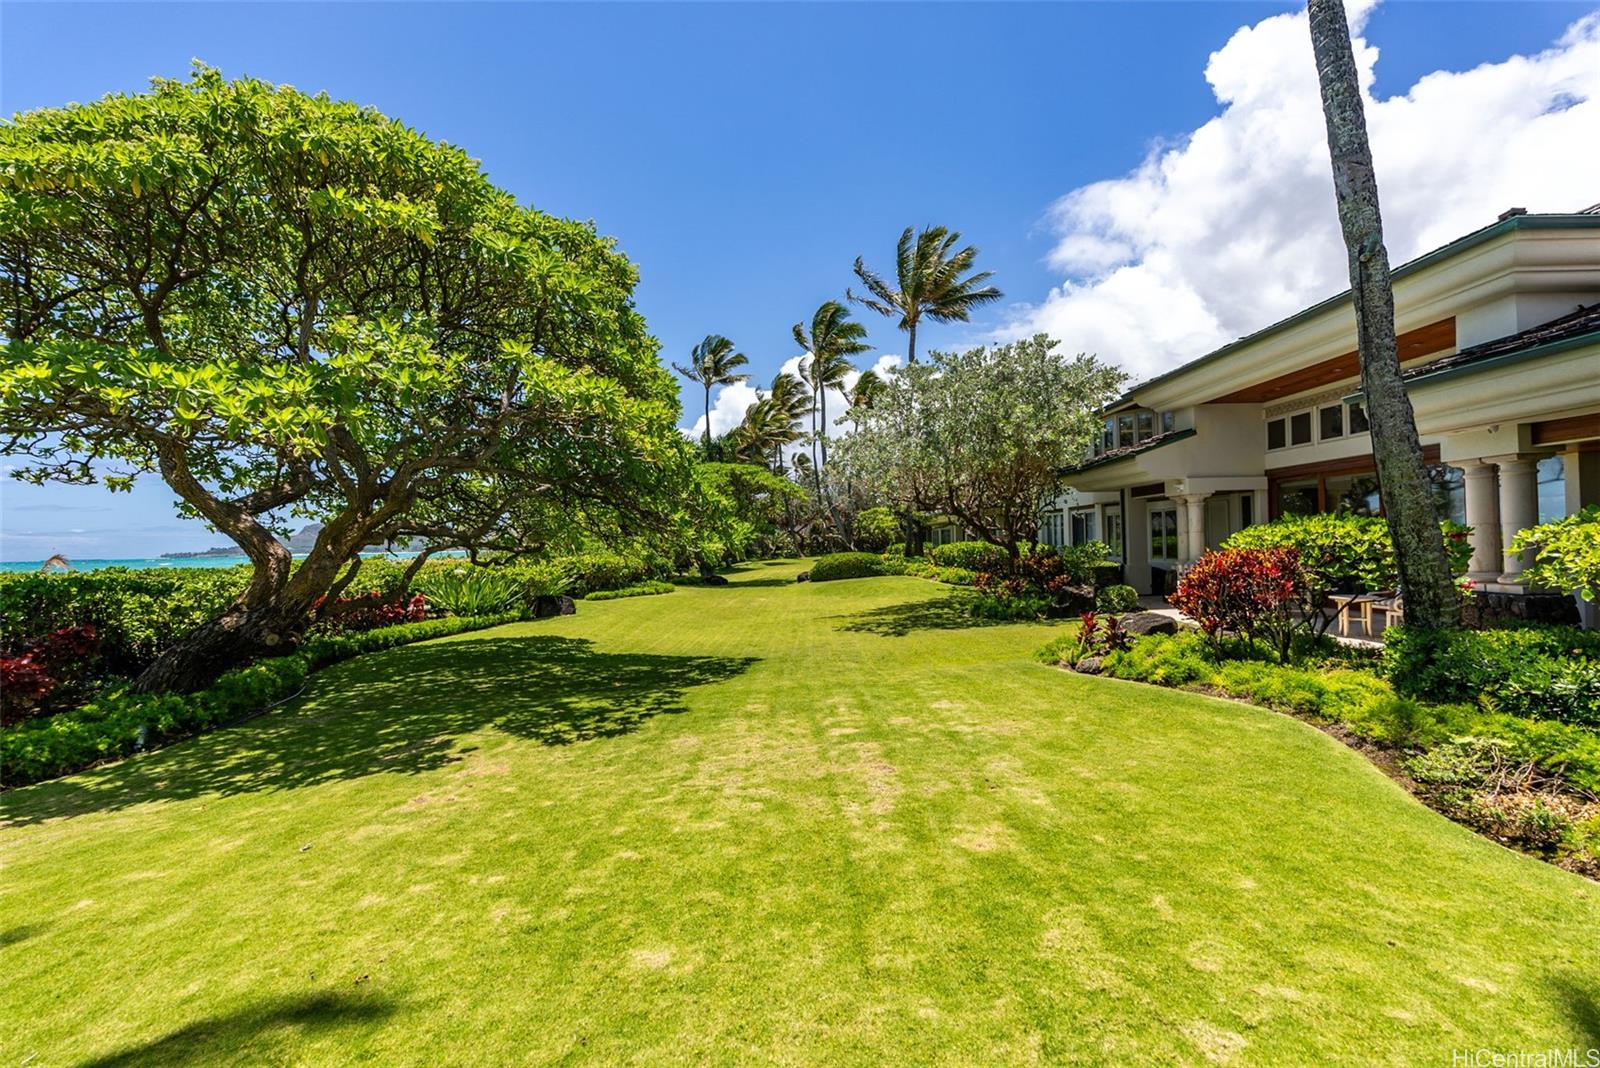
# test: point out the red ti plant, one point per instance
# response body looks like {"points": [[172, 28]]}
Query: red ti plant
{"points": [[1257, 593], [46, 672]]}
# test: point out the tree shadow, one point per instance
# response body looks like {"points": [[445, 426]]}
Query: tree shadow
{"points": [[953, 612], [397, 711], [1581, 1004], [20, 933], [221, 1038]]}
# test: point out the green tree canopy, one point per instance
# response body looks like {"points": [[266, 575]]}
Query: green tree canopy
{"points": [[981, 435], [291, 305]]}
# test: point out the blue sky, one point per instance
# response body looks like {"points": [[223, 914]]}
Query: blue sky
{"points": [[742, 154]]}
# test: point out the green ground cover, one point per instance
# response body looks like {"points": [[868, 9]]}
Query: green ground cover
{"points": [[770, 822]]}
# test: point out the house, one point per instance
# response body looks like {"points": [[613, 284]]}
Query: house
{"points": [[1499, 337]]}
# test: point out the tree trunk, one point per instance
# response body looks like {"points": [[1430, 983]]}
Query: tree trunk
{"points": [[708, 422], [240, 634], [1431, 599], [911, 347]]}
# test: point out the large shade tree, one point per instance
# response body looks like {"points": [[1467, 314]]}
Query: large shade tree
{"points": [[981, 435], [713, 362], [287, 305], [930, 278], [1425, 576]]}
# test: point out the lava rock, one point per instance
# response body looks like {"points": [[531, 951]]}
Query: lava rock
{"points": [[1141, 623], [547, 605]]}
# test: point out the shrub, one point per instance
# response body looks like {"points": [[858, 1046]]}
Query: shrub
{"points": [[1344, 553], [1079, 563], [1117, 599], [847, 566], [877, 529], [643, 589], [1566, 553], [972, 556], [1540, 672], [118, 722], [1253, 592], [135, 614], [998, 604], [472, 591]]}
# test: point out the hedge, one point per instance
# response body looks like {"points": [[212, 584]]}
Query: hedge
{"points": [[643, 589], [849, 566], [119, 722], [972, 556]]}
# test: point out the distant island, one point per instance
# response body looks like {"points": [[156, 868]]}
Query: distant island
{"points": [[300, 541]]}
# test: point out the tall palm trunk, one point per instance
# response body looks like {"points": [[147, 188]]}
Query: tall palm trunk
{"points": [[1430, 595], [911, 347], [708, 420]]}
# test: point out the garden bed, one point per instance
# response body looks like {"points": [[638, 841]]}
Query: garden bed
{"points": [[1528, 783]]}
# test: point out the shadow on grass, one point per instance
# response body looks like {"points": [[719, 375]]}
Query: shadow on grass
{"points": [[1581, 1003], [219, 1039], [398, 711], [953, 612]]}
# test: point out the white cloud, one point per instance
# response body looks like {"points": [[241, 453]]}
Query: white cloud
{"points": [[1234, 226]]}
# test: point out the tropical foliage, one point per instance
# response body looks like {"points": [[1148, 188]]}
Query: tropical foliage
{"points": [[290, 305], [981, 435], [1566, 553]]}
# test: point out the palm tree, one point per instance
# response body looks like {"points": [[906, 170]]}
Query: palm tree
{"points": [[1430, 595], [713, 362], [790, 397], [868, 387], [833, 339], [928, 270]]}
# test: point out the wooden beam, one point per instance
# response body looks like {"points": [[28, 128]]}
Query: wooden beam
{"points": [[1414, 344], [1571, 428]]}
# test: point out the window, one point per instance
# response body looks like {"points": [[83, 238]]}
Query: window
{"points": [[1125, 431], [1169, 420], [1083, 525], [1277, 434], [1300, 428], [1552, 480], [1299, 498], [1108, 437], [1147, 425], [1354, 495], [1358, 419], [1247, 508], [1164, 533], [1114, 531], [1050, 531], [1330, 422]]}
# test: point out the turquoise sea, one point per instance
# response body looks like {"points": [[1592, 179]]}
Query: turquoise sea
{"points": [[140, 564]]}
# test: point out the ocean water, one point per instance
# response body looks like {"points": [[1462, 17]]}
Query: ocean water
{"points": [[140, 564]]}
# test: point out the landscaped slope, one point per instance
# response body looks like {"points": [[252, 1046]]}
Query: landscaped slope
{"points": [[769, 822]]}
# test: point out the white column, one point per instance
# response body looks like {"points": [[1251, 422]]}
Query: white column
{"points": [[1519, 508], [1193, 522], [1483, 516]]}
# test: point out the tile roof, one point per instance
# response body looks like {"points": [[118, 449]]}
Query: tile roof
{"points": [[1112, 455], [1573, 325]]}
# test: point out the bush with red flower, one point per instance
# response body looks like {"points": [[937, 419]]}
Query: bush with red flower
{"points": [[47, 674], [1258, 594]]}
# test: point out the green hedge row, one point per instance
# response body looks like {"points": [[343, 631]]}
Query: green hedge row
{"points": [[118, 722], [851, 565], [643, 589]]}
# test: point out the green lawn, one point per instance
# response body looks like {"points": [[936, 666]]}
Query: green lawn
{"points": [[772, 822]]}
